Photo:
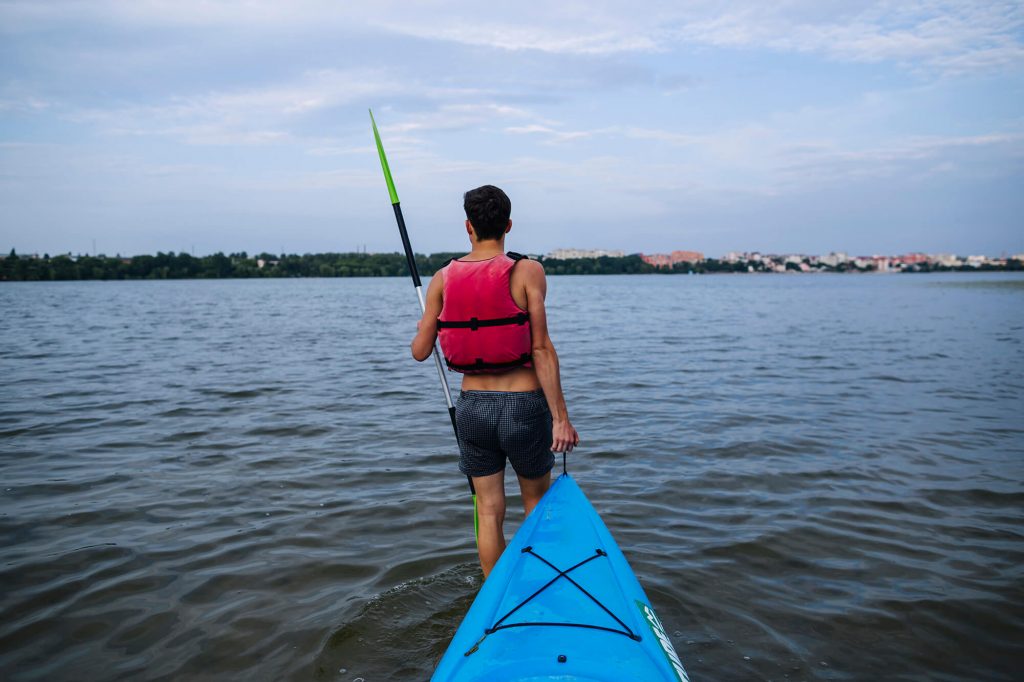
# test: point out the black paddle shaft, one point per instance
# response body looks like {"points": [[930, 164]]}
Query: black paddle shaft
{"points": [[415, 272], [409, 257]]}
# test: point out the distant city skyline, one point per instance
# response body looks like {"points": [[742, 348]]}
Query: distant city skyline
{"points": [[657, 259], [63, 267], [242, 125], [560, 253]]}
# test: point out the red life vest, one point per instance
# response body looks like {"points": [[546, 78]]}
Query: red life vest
{"points": [[481, 328]]}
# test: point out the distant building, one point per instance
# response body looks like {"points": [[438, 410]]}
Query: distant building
{"points": [[834, 259], [747, 257], [667, 260], [566, 254], [947, 260], [910, 259]]}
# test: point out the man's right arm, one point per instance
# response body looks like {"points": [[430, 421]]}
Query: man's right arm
{"points": [[545, 359], [426, 329]]}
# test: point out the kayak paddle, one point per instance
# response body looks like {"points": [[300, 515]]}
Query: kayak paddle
{"points": [[414, 271]]}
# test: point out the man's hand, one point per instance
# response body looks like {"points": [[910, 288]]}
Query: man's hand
{"points": [[563, 436]]}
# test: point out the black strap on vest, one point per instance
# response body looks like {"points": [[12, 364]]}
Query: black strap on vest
{"points": [[475, 323], [480, 364]]}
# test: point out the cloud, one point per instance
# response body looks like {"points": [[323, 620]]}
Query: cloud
{"points": [[17, 97], [514, 37], [273, 113], [814, 166], [947, 35], [30, 14], [551, 134], [458, 116], [769, 161], [27, 104]]}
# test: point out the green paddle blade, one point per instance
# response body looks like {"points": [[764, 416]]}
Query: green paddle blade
{"points": [[384, 162]]}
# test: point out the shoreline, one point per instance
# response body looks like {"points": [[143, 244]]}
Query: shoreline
{"points": [[555, 274], [338, 265]]}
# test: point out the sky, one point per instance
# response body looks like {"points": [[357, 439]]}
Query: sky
{"points": [[799, 126]]}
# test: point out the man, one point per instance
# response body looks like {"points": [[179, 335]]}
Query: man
{"points": [[488, 309]]}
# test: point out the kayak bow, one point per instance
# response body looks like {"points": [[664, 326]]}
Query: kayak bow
{"points": [[561, 603]]}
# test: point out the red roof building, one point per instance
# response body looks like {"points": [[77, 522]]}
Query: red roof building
{"points": [[667, 260]]}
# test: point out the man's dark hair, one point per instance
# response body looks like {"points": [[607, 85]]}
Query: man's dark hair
{"points": [[488, 209]]}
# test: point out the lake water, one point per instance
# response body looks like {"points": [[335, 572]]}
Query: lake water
{"points": [[815, 477]]}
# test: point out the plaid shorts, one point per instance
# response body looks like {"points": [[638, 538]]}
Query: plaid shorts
{"points": [[494, 425]]}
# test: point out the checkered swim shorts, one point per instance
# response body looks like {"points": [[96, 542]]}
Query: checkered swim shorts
{"points": [[494, 425]]}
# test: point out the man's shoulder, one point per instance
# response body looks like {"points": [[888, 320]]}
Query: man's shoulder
{"points": [[527, 264], [530, 272]]}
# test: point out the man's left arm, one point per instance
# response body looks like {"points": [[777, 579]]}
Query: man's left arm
{"points": [[545, 360]]}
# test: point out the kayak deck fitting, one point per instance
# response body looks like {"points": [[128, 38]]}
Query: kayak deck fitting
{"points": [[561, 603]]}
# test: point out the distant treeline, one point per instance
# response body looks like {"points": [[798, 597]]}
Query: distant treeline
{"points": [[215, 266], [242, 265]]}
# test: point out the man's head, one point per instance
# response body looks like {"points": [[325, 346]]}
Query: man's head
{"points": [[488, 210]]}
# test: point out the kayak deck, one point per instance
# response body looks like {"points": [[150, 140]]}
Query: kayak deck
{"points": [[561, 603]]}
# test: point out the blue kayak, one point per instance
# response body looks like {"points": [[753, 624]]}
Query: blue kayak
{"points": [[562, 603]]}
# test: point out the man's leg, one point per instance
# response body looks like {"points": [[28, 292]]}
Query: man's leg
{"points": [[490, 506], [533, 489]]}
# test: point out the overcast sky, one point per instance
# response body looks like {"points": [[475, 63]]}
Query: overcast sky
{"points": [[799, 126]]}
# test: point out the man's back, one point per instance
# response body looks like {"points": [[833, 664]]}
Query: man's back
{"points": [[526, 276]]}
